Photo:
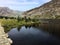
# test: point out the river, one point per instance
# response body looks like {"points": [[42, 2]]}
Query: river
{"points": [[32, 36]]}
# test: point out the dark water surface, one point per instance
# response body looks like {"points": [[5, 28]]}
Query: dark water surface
{"points": [[32, 36]]}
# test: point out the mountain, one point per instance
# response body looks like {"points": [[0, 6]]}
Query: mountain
{"points": [[50, 10], [5, 11]]}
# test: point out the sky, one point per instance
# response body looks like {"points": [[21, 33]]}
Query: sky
{"points": [[22, 5]]}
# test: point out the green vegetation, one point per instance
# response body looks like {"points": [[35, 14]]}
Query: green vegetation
{"points": [[16, 22]]}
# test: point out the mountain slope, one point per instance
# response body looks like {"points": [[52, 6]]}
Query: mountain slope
{"points": [[5, 11], [50, 10]]}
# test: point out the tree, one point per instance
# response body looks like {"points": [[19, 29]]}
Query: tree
{"points": [[29, 19], [26, 20], [18, 18]]}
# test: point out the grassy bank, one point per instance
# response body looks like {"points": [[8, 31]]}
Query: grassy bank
{"points": [[12, 23]]}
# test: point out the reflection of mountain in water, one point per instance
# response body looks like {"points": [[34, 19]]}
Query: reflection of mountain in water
{"points": [[32, 36], [26, 26]]}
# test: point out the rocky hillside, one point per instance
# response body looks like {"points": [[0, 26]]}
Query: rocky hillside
{"points": [[5, 11], [50, 10]]}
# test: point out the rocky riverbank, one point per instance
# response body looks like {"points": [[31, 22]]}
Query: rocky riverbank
{"points": [[4, 40]]}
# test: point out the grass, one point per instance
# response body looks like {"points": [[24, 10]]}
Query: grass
{"points": [[12, 23], [9, 23]]}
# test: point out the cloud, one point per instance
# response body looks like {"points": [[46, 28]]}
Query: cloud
{"points": [[26, 4], [21, 2], [13, 2]]}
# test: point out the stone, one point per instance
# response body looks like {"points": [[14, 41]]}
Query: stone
{"points": [[3, 37], [49, 10]]}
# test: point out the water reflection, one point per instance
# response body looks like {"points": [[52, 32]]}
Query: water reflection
{"points": [[47, 27], [18, 28], [28, 26], [32, 36]]}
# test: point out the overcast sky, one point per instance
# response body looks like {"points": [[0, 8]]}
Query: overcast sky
{"points": [[22, 5]]}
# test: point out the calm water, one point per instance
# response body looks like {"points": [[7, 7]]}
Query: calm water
{"points": [[32, 36]]}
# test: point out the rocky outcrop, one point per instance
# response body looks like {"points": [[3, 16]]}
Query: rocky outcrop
{"points": [[5, 11], [3, 37], [47, 11]]}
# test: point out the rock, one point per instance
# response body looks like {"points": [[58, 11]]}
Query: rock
{"points": [[50, 10], [3, 37], [10, 41]]}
